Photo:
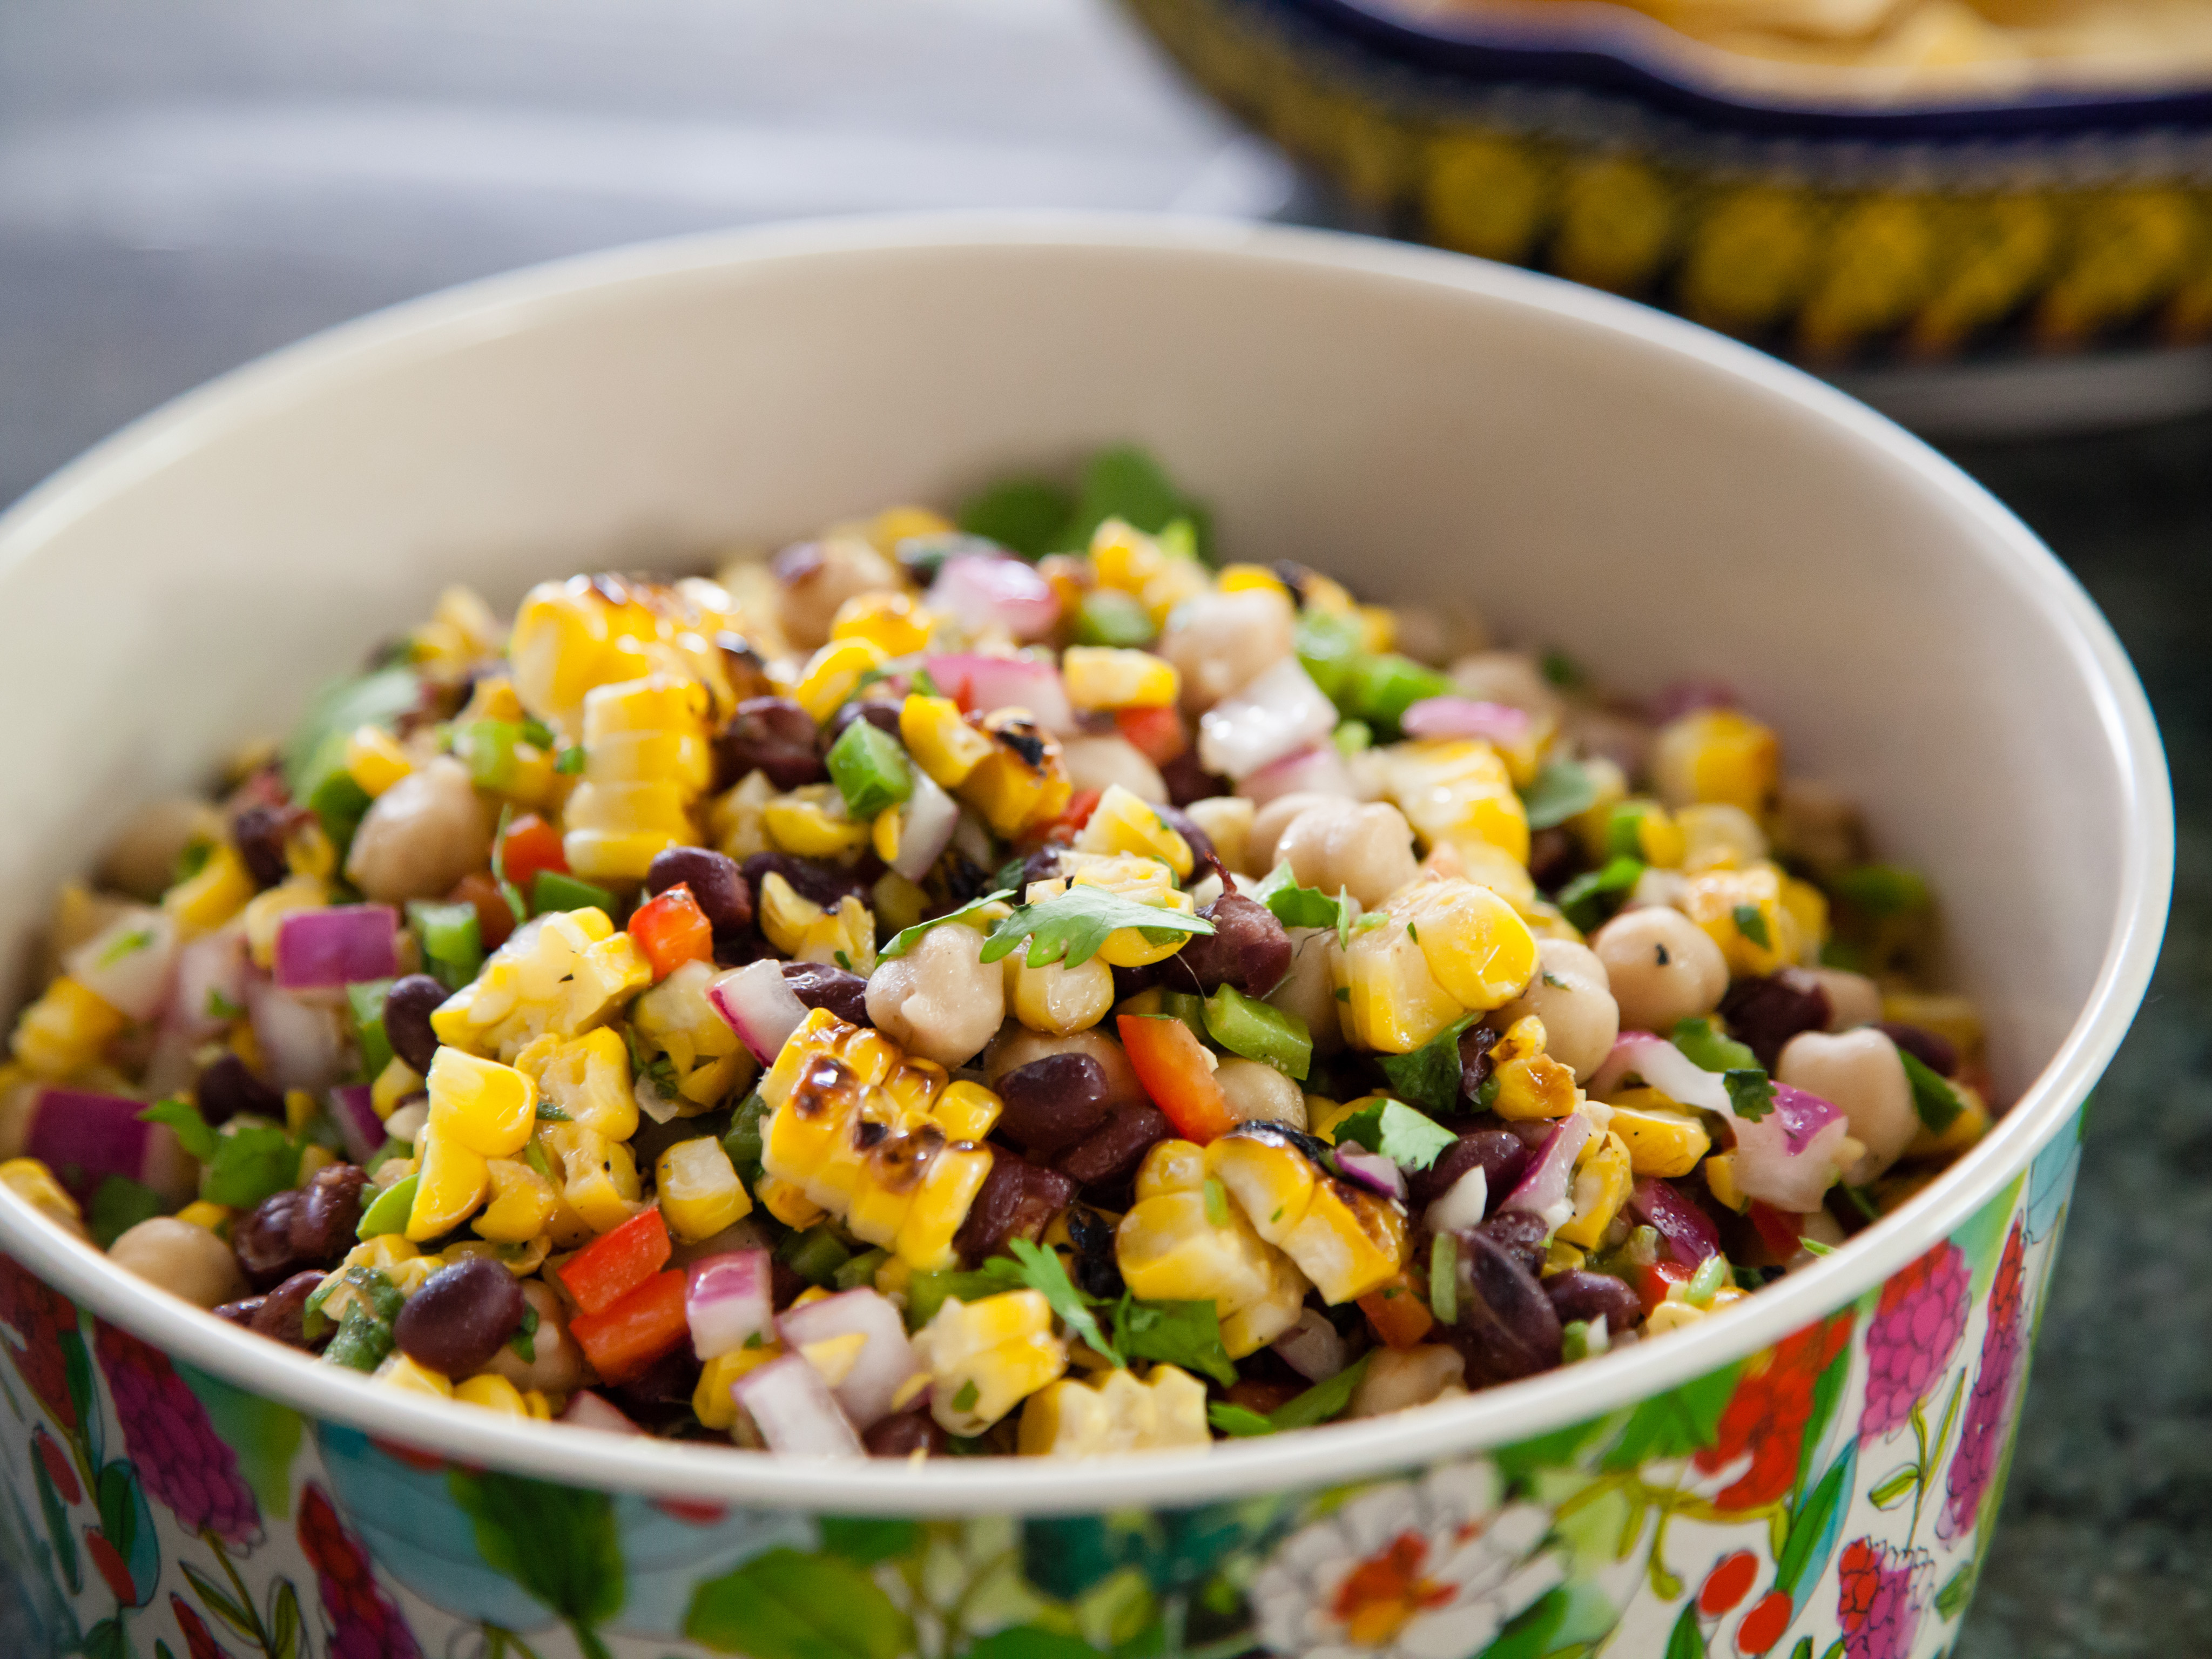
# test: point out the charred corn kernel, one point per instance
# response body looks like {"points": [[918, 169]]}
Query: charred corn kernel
{"points": [[1069, 1419], [1721, 1182], [868, 1055], [398, 1371], [204, 902], [1378, 627], [1969, 1127], [895, 623], [522, 1202], [940, 739], [811, 822], [374, 760], [987, 1357], [1172, 1249], [64, 1031], [394, 1083], [966, 1111], [1741, 911], [788, 1203], [1808, 908], [1661, 1139], [313, 1159], [264, 911], [1349, 1242], [1125, 823], [34, 1184], [479, 1103], [646, 761], [1456, 790], [1258, 1322], [587, 1076], [1269, 1178], [1530, 1082], [489, 1391], [563, 979], [598, 1175], [570, 638], [1602, 1178], [216, 1217], [717, 1407], [832, 674], [1717, 755], [700, 1192], [1023, 780], [1477, 947], [1105, 676], [1056, 999], [675, 1019], [925, 1237], [452, 1184]]}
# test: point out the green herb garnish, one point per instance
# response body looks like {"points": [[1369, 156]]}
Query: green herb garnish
{"points": [[1933, 1097], [1070, 926], [1406, 1137], [907, 938]]}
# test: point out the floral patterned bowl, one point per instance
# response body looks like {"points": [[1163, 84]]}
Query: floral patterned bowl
{"points": [[1812, 1472]]}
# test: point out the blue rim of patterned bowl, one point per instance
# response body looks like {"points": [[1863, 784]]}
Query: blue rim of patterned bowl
{"points": [[540, 297]]}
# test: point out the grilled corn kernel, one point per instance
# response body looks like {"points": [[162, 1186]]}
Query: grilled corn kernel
{"points": [[204, 902], [265, 911], [1455, 790], [1477, 947], [1661, 1139], [1671, 1315], [925, 1237], [940, 739], [34, 1184], [700, 1192], [1653, 834], [65, 1029], [1056, 999], [1070, 1419], [717, 1407], [1261, 1320], [1602, 1178], [966, 1111], [788, 1203], [1147, 881], [832, 674], [522, 1202], [393, 1084], [677, 1018], [1969, 1127], [1348, 1242], [587, 1076], [1171, 1166], [1718, 837], [895, 623], [489, 1391], [398, 1371], [1741, 911], [1808, 908], [374, 760], [1717, 755], [987, 1357], [811, 822], [646, 761], [1534, 1086], [1591, 825], [563, 980], [1023, 780], [216, 1217], [1125, 823], [452, 1184], [1102, 676], [599, 1174], [1267, 1177], [1387, 998], [1170, 1249], [480, 1104], [1721, 1182]]}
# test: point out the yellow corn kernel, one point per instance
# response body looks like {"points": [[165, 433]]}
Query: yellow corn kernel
{"points": [[1388, 999], [1662, 840], [832, 674], [811, 822], [453, 1182], [941, 740], [1536, 1086], [1269, 1179], [1673, 1316], [1561, 1257], [987, 1356], [1056, 999], [34, 1184], [1328, 595], [1124, 823], [716, 1407], [313, 1159], [1661, 1139], [216, 1217], [1323, 1115], [1457, 791], [889, 1179], [884, 833], [1248, 578], [1969, 1127], [1717, 755], [570, 978], [1348, 1242], [1104, 676], [1069, 1419], [895, 623], [1171, 1166], [522, 1202], [1602, 1177], [675, 1018], [1807, 907], [1721, 1182], [1125, 556], [393, 1084], [735, 823], [587, 1076], [480, 1104], [409, 1276], [1741, 911], [894, 524], [965, 1111], [1591, 825], [1378, 627], [788, 1203], [1265, 1317], [925, 1237], [867, 1055], [598, 1175], [646, 761], [700, 1192], [1023, 780], [489, 1391], [1169, 1248], [1477, 947], [1717, 836], [64, 1030], [202, 902], [401, 1372], [374, 760]]}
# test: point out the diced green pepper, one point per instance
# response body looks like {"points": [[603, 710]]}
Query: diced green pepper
{"points": [[743, 1140], [815, 1254], [553, 890], [339, 802], [1328, 649], [1383, 688], [1108, 616], [490, 747], [1882, 890], [1700, 1040], [861, 1271], [366, 999], [388, 1212], [452, 943], [870, 769], [1257, 1030]]}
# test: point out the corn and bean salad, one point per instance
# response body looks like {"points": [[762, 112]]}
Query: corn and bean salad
{"points": [[999, 984]]}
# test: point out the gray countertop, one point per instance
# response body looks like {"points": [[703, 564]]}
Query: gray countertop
{"points": [[184, 183]]}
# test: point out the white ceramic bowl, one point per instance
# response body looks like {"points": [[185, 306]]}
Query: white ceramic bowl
{"points": [[1594, 475]]}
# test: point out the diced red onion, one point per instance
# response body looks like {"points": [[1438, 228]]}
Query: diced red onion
{"points": [[344, 945], [299, 1040], [925, 826], [1665, 1067], [887, 1363], [1281, 713], [351, 1105], [84, 1137], [1312, 1347], [1542, 1191], [587, 1410], [1789, 1158], [727, 1299], [982, 590], [982, 684], [127, 964], [211, 978], [1464, 717], [1319, 770], [795, 1412], [760, 1007], [1689, 1232], [1463, 1203], [1371, 1171]]}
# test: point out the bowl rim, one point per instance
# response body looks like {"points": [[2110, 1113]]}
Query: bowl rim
{"points": [[543, 295]]}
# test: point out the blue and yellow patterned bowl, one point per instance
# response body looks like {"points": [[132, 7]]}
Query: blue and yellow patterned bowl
{"points": [[1812, 1472], [1835, 230]]}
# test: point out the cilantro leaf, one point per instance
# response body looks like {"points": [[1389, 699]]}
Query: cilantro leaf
{"points": [[192, 1132], [1562, 790], [1881, 889], [907, 938], [1185, 1334], [1042, 1271], [1933, 1097], [1295, 905], [1703, 1047], [251, 1161], [1584, 899], [1318, 1404], [118, 1204], [1750, 1092], [1751, 923], [1407, 1138], [1072, 925], [136, 940], [659, 1070], [1430, 1075], [1237, 1421], [524, 1343]]}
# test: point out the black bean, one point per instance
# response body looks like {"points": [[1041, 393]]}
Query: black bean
{"points": [[408, 1007], [258, 834], [282, 1314], [658, 1398], [1096, 1269], [773, 735], [1763, 1014], [1017, 1200], [717, 884], [1051, 1104], [1248, 947], [819, 985], [824, 884], [1504, 1326], [1498, 1153], [1112, 1151], [229, 1087], [262, 1241], [736, 950], [1590, 1297], [241, 1312], [883, 716], [1474, 1061], [1554, 856], [1937, 1053], [455, 1323], [1188, 780], [327, 1212], [1519, 1234], [907, 1433], [1134, 981], [1201, 846]]}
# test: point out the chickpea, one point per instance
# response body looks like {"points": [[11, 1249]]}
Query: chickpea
{"points": [[1256, 1092], [1573, 996], [1662, 967], [1057, 998], [422, 836], [938, 1000], [1308, 990], [1016, 1046], [182, 1259], [1340, 845], [1270, 820], [1853, 998], [1219, 643], [1227, 821], [1860, 1074], [1398, 1378], [1100, 763], [1512, 677], [814, 578], [555, 1363]]}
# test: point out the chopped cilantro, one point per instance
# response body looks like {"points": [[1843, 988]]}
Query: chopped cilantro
{"points": [[1316, 1404], [570, 761], [1703, 1045], [1750, 1092], [1584, 900], [907, 938], [219, 1007], [136, 940], [1933, 1097], [1039, 1269], [1430, 1075], [965, 1399], [1561, 791], [118, 1204], [1406, 1137], [192, 1130], [1295, 905], [524, 1343], [1751, 923], [1072, 925], [1185, 1334]]}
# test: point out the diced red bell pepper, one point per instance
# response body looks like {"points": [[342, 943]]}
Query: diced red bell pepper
{"points": [[1396, 1311], [1652, 1283], [1172, 1066], [1069, 824], [615, 1263], [529, 845], [624, 1339], [1159, 734], [671, 930], [494, 921], [1778, 1230]]}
